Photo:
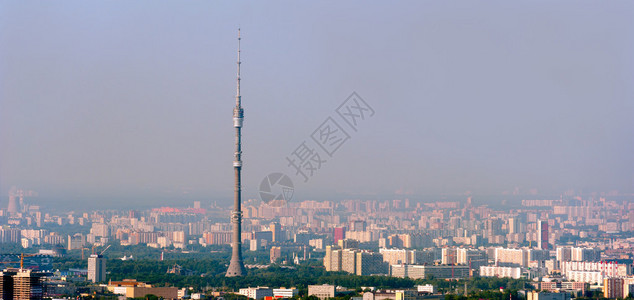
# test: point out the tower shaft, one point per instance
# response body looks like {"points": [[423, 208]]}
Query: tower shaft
{"points": [[236, 266]]}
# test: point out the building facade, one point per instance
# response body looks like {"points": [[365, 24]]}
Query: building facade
{"points": [[322, 291], [256, 292], [613, 288], [495, 271], [96, 268], [542, 235], [418, 271]]}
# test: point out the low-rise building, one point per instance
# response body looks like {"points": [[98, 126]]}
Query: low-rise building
{"points": [[392, 295], [494, 271], [134, 289], [427, 288], [257, 292], [595, 277], [568, 286], [547, 296], [438, 271], [285, 293], [322, 292]]}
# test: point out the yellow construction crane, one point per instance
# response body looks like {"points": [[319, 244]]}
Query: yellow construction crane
{"points": [[92, 251], [22, 259], [22, 256], [104, 250]]}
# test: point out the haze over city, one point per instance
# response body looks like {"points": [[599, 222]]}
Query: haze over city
{"points": [[132, 103], [316, 150]]}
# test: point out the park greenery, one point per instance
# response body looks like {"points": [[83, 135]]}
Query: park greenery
{"points": [[203, 269], [205, 272]]}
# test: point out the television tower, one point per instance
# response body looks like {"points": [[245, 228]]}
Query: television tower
{"points": [[236, 266]]}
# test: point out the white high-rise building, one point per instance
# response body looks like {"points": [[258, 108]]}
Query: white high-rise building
{"points": [[449, 256], [465, 256], [543, 235], [514, 225], [96, 268], [578, 254], [585, 254], [512, 257]]}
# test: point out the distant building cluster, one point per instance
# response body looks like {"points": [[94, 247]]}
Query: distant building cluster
{"points": [[561, 244]]}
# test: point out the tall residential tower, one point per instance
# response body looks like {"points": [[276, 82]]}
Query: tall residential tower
{"points": [[96, 268], [542, 234], [236, 266]]}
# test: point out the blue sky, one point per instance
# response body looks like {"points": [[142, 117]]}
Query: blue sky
{"points": [[123, 99]]}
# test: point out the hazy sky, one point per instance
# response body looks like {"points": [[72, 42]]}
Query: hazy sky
{"points": [[126, 99]]}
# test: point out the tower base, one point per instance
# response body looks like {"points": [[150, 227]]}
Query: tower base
{"points": [[236, 268]]}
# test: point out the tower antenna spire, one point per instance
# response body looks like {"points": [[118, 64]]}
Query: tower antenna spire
{"points": [[238, 98], [236, 266]]}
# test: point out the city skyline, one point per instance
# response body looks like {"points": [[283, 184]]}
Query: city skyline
{"points": [[576, 246], [493, 99]]}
